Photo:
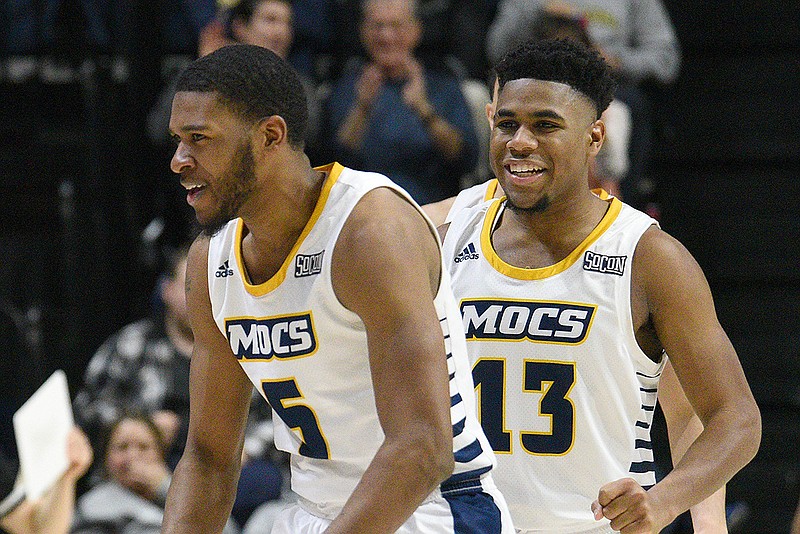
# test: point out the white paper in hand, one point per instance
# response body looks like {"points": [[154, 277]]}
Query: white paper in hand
{"points": [[41, 426]]}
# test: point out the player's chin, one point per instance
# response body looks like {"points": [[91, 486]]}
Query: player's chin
{"points": [[530, 205]]}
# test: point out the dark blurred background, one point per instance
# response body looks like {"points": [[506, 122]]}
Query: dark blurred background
{"points": [[86, 200]]}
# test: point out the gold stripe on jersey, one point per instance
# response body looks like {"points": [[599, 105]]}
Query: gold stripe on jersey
{"points": [[538, 274], [259, 290], [491, 189]]}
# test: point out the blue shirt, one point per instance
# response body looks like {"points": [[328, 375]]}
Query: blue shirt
{"points": [[397, 143]]}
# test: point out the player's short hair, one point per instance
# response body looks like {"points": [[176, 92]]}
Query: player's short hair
{"points": [[563, 61], [254, 83]]}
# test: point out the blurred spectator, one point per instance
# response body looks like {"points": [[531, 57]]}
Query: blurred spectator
{"points": [[130, 497], [393, 115], [453, 31], [637, 39], [796, 521], [313, 35], [145, 367], [266, 23], [635, 36], [53, 512]]}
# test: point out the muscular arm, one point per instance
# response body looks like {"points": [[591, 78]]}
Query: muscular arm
{"points": [[708, 516], [204, 483], [374, 276], [679, 305]]}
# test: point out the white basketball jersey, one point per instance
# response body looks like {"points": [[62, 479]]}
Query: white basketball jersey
{"points": [[307, 354], [565, 395], [472, 196]]}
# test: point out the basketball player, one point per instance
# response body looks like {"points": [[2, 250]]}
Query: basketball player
{"points": [[569, 330], [303, 287], [708, 516]]}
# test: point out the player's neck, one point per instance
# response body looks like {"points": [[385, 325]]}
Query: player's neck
{"points": [[543, 238], [273, 231]]}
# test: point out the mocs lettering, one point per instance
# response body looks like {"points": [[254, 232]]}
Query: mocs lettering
{"points": [[307, 265], [513, 320], [273, 337], [604, 264]]}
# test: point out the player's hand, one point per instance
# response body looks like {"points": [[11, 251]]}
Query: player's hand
{"points": [[629, 507]]}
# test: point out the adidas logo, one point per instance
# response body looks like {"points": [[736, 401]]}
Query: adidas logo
{"points": [[468, 253], [224, 270]]}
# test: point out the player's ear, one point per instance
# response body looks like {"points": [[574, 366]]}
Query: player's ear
{"points": [[271, 131], [597, 135]]}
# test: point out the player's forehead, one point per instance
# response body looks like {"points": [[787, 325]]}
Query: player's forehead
{"points": [[531, 94], [193, 110]]}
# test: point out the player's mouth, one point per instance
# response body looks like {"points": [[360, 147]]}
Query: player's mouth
{"points": [[193, 191], [523, 170]]}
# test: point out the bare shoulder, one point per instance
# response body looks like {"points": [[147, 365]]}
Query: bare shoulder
{"points": [[660, 260], [657, 246], [386, 243], [198, 300], [197, 262], [384, 217]]}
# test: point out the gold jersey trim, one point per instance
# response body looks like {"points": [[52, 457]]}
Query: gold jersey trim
{"points": [[333, 170], [541, 273], [491, 189]]}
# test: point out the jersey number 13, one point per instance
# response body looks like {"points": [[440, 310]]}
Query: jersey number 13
{"points": [[549, 381]]}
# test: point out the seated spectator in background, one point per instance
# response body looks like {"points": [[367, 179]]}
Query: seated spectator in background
{"points": [[395, 116], [452, 30], [145, 367], [135, 478], [53, 512]]}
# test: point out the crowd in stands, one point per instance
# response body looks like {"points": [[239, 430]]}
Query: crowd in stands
{"points": [[393, 86]]}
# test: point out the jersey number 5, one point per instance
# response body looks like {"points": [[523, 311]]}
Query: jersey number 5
{"points": [[297, 416], [552, 381]]}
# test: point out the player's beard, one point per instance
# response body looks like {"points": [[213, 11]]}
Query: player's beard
{"points": [[539, 206], [233, 189]]}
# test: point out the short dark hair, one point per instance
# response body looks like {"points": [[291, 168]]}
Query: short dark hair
{"points": [[253, 82], [563, 61]]}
